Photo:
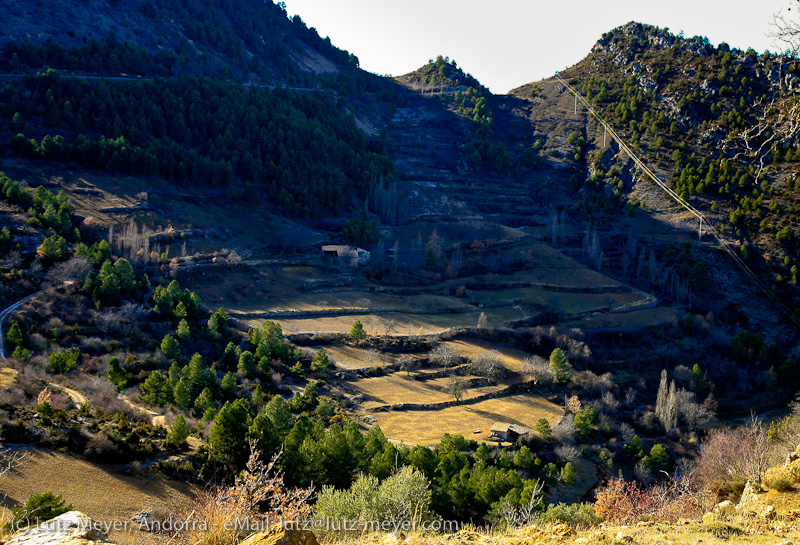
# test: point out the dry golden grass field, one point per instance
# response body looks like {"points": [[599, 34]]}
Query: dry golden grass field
{"points": [[400, 388], [7, 377], [351, 357], [511, 357], [427, 427], [101, 491]]}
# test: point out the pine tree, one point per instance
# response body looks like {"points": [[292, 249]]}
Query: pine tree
{"points": [[228, 385], [543, 429], [568, 474], [116, 374], [262, 431], [156, 390], [357, 331], [278, 411], [178, 432], [559, 366], [228, 435], [320, 363], [218, 324], [180, 310], [247, 364], [183, 330], [523, 458], [174, 373], [258, 397], [204, 402], [21, 354], [183, 398], [14, 335], [170, 347]]}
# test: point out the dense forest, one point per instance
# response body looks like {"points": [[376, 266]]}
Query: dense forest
{"points": [[299, 150]]}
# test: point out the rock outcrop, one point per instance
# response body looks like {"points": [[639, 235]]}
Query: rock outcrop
{"points": [[71, 528]]}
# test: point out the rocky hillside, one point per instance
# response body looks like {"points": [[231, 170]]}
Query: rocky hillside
{"points": [[715, 123], [251, 41]]}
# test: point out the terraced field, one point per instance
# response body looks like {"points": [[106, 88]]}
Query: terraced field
{"points": [[400, 388], [471, 420]]}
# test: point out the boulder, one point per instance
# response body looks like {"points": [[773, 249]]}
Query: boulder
{"points": [[725, 508], [71, 528], [767, 512], [281, 535]]}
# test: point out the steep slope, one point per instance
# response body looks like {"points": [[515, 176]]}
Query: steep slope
{"points": [[246, 40], [715, 123]]}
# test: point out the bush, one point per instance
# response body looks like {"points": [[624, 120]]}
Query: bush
{"points": [[402, 497], [257, 496], [63, 361], [623, 502], [38, 508], [580, 515]]}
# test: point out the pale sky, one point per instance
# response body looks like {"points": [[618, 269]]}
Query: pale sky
{"points": [[508, 43]]}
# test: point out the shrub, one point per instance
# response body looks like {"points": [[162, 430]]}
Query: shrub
{"points": [[402, 497], [63, 361], [624, 502], [38, 508], [580, 515], [258, 494]]}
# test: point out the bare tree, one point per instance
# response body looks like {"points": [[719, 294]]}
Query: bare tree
{"points": [[456, 387], [519, 517], [443, 355], [564, 431], [372, 357], [537, 369], [406, 363], [10, 459], [667, 403], [489, 364], [568, 453], [75, 268]]}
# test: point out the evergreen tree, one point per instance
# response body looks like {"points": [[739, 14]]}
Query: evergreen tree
{"points": [[180, 310], [228, 435], [14, 336], [247, 364], [228, 385], [183, 330], [523, 459], [183, 398], [357, 331], [178, 432], [559, 366], [218, 324], [281, 416], [156, 389], [21, 354], [63, 361], [116, 374], [262, 431], [568, 474], [170, 347], [174, 374], [320, 363], [203, 403], [544, 430], [258, 396]]}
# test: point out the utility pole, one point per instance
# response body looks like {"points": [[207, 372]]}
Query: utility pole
{"points": [[605, 130], [700, 236], [576, 103]]}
